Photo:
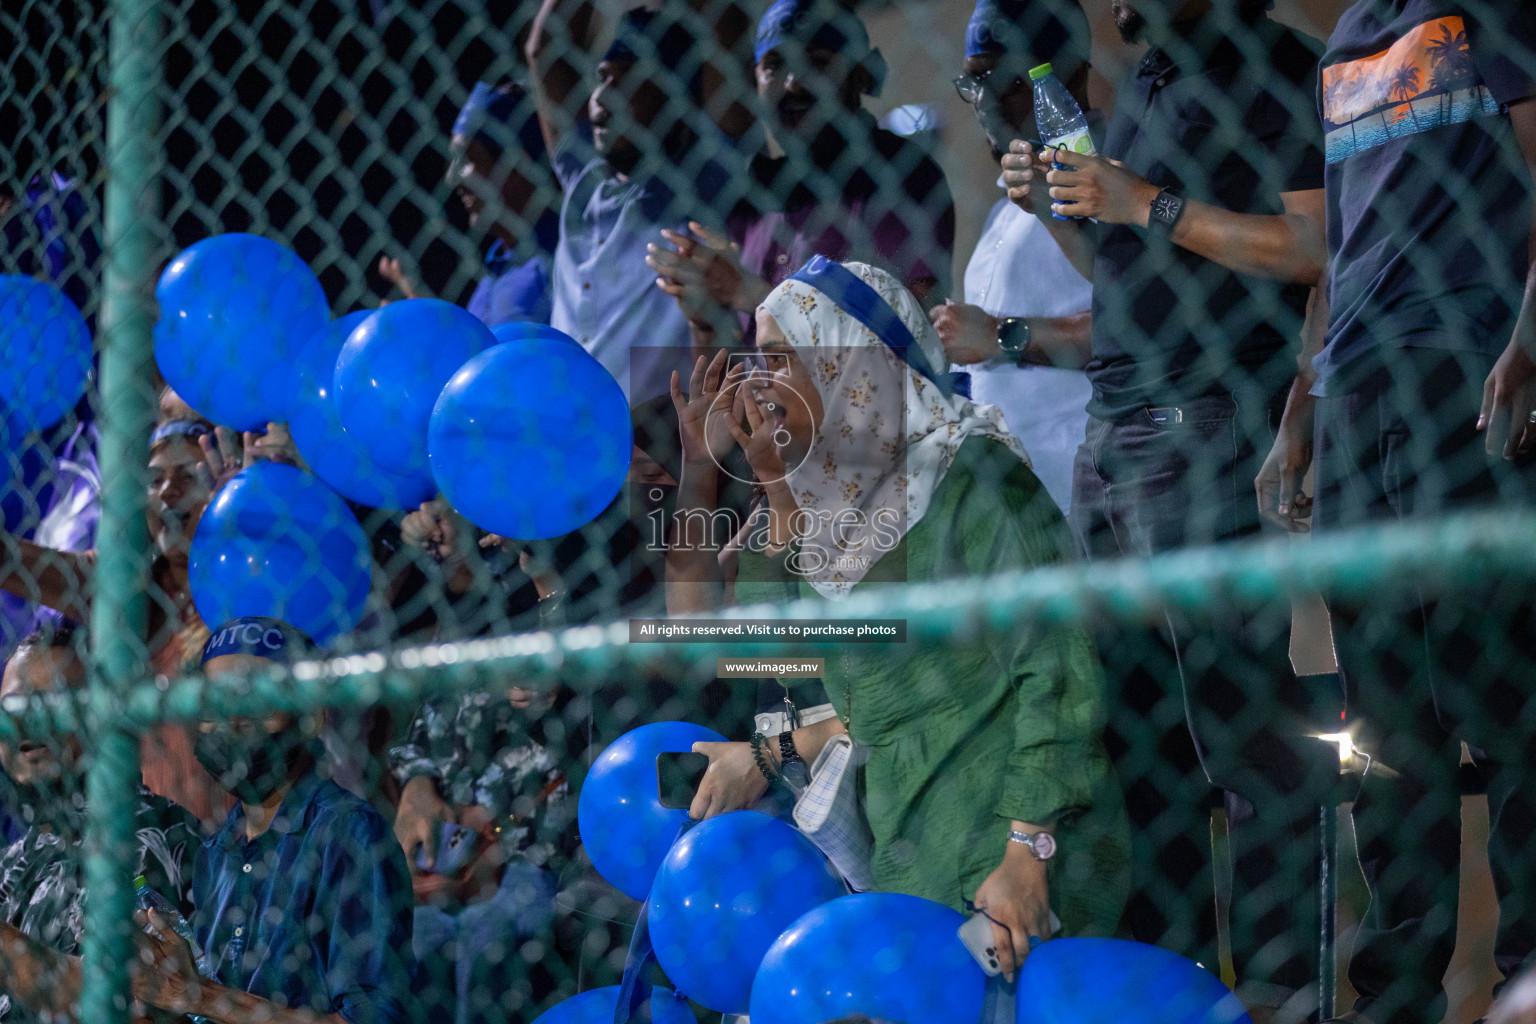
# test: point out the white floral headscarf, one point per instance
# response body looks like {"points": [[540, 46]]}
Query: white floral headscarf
{"points": [[864, 457]]}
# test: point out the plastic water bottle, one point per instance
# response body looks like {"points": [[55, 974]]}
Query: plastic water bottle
{"points": [[1058, 117], [149, 899]]}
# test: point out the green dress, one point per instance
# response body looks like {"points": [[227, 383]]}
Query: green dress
{"points": [[963, 738]]}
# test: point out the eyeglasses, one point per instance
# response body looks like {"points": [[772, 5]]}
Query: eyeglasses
{"points": [[970, 87]]}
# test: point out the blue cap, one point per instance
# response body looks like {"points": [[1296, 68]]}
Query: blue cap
{"points": [[261, 637], [494, 115], [820, 25], [663, 42], [189, 429], [1039, 31]]}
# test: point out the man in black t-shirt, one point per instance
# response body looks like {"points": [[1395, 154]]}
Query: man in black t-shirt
{"points": [[1201, 228], [1430, 113]]}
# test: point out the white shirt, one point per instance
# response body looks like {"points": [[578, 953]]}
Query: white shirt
{"points": [[1018, 270]]}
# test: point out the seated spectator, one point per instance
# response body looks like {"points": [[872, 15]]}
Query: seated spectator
{"points": [[302, 898], [498, 169], [975, 751], [838, 185], [185, 465], [42, 873], [653, 161], [476, 762]]}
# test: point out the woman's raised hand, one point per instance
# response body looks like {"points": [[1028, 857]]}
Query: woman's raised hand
{"points": [[704, 415]]}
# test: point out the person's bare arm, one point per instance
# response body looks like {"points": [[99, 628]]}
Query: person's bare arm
{"points": [[694, 580], [1024, 175], [969, 335], [557, 52], [1279, 483], [39, 978], [733, 781], [1509, 394], [1287, 247], [60, 580], [164, 977]]}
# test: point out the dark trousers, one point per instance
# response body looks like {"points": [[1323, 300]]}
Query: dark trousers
{"points": [[1208, 702], [1426, 670]]}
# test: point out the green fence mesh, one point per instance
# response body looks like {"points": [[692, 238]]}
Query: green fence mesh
{"points": [[1187, 520]]}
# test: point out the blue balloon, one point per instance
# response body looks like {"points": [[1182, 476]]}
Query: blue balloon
{"points": [[1112, 981], [531, 439], [530, 330], [276, 541], [624, 828], [236, 310], [45, 356], [598, 1006], [391, 370], [882, 954], [728, 889], [334, 455]]}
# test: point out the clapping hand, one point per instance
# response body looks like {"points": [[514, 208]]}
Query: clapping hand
{"points": [[706, 414]]}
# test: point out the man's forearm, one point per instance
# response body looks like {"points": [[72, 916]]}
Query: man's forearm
{"points": [[557, 42], [1284, 247], [231, 1006], [39, 978], [1075, 240], [1064, 342]]}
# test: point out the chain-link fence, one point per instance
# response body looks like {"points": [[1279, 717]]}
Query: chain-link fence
{"points": [[1068, 467]]}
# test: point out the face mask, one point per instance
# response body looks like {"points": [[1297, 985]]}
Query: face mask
{"points": [[252, 764]]}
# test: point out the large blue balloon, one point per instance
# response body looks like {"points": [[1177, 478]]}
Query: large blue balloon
{"points": [[522, 330], [334, 455], [726, 891], [531, 439], [391, 370], [598, 1006], [882, 954], [235, 312], [1111, 981], [45, 356], [624, 828], [276, 541]]}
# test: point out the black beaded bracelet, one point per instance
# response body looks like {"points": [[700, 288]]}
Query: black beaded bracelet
{"points": [[763, 764]]}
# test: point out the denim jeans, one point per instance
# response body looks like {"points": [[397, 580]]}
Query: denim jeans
{"points": [[480, 948], [1208, 709], [1426, 671]]}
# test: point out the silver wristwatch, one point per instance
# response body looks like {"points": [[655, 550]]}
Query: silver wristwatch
{"points": [[1041, 844]]}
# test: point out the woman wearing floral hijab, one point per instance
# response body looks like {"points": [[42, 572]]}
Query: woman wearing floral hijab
{"points": [[986, 777]]}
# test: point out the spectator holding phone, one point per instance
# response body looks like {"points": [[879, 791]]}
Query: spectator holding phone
{"points": [[983, 759], [483, 809]]}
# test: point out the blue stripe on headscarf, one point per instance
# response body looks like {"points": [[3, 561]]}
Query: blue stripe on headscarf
{"points": [[853, 295], [819, 25]]}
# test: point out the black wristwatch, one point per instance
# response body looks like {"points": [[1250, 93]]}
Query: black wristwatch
{"points": [[791, 765], [1167, 208], [1013, 335]]}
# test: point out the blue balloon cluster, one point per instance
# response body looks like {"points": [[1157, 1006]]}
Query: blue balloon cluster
{"points": [[726, 890], [236, 311], [45, 357], [884, 955], [598, 1006], [275, 541], [624, 828], [336, 456], [391, 371], [1112, 981], [531, 438]]}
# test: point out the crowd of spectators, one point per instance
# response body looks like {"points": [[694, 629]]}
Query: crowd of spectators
{"points": [[1277, 253]]}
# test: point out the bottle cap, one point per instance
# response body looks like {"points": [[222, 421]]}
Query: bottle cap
{"points": [[1035, 74], [140, 882]]}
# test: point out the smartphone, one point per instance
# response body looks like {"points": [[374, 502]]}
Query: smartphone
{"points": [[455, 844], [976, 936], [678, 774]]}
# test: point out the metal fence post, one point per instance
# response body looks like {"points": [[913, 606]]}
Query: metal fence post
{"points": [[122, 541]]}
